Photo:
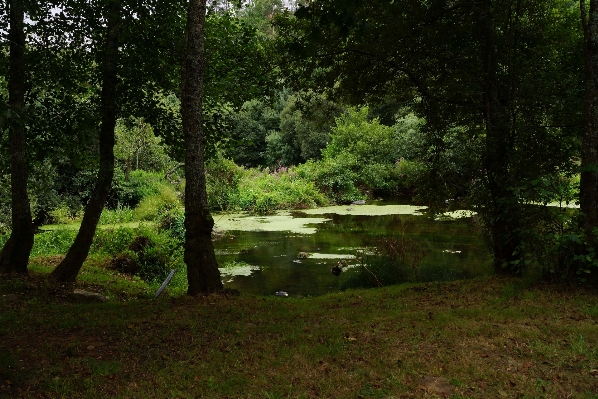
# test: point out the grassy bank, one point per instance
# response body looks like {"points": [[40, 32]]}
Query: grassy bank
{"points": [[479, 338]]}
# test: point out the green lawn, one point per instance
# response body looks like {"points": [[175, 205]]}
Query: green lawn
{"points": [[481, 338]]}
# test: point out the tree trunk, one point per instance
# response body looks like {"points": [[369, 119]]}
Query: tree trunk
{"points": [[588, 191], [68, 269], [202, 269], [127, 169], [15, 253], [502, 216]]}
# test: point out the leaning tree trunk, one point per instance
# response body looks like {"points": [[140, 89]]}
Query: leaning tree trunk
{"points": [[202, 267], [502, 214], [15, 253], [68, 269], [588, 190]]}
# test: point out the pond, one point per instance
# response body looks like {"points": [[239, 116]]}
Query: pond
{"points": [[294, 251]]}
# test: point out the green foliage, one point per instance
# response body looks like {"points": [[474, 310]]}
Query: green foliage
{"points": [[115, 216], [222, 182], [64, 214], [335, 177], [138, 148], [247, 131], [305, 125], [369, 142], [112, 241], [364, 155], [265, 192], [146, 251], [152, 206], [141, 184], [173, 221], [53, 242]]}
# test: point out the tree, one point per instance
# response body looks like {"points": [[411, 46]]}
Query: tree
{"points": [[15, 253], [202, 268], [500, 70], [137, 145], [69, 268], [588, 196]]}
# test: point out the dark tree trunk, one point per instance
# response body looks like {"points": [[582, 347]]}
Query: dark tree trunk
{"points": [[503, 212], [68, 269], [588, 192], [202, 268], [15, 253]]}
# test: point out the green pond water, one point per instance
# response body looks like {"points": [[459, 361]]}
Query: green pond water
{"points": [[294, 251]]}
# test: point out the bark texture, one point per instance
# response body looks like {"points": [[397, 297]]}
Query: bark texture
{"points": [[202, 268], [503, 219], [69, 268], [15, 253], [588, 193]]}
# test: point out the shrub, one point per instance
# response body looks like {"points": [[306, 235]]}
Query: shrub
{"points": [[264, 192], [152, 206], [112, 241], [65, 214], [173, 221], [145, 251], [335, 177], [368, 141], [130, 193], [222, 182]]}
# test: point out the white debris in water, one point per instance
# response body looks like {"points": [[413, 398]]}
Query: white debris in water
{"points": [[450, 251], [331, 256], [240, 270], [458, 214]]}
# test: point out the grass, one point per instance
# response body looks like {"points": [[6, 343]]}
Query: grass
{"points": [[482, 339]]}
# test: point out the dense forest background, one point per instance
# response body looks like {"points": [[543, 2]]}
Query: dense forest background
{"points": [[480, 103]]}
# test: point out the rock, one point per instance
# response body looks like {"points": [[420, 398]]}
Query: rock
{"points": [[358, 202], [81, 296]]}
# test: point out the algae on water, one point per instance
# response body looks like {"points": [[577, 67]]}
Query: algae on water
{"points": [[281, 221], [367, 210]]}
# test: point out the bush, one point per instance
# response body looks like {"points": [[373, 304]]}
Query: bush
{"points": [[335, 177], [112, 241], [144, 251], [222, 182], [65, 213], [154, 205], [263, 192], [173, 221], [129, 194]]}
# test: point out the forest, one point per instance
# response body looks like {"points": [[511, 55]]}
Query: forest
{"points": [[131, 130]]}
